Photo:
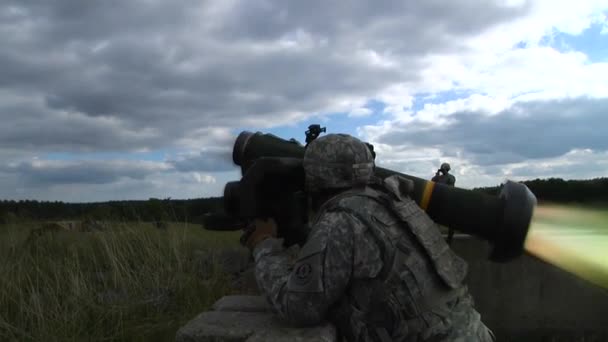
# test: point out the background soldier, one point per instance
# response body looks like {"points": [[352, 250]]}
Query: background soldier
{"points": [[443, 176], [374, 264]]}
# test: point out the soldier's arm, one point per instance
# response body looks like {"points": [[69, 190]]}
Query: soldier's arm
{"points": [[302, 292]]}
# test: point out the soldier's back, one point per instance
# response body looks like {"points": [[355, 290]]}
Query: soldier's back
{"points": [[421, 304]]}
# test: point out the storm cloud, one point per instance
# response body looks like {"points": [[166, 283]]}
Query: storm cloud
{"points": [[525, 131], [82, 78], [118, 75], [46, 172], [209, 160]]}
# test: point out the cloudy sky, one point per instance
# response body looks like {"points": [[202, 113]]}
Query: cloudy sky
{"points": [[110, 100]]}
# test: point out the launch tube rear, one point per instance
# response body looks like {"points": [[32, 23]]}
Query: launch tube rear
{"points": [[251, 146]]}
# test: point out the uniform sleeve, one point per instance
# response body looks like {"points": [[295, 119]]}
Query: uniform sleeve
{"points": [[302, 290]]}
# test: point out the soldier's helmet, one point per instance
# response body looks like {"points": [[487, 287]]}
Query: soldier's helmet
{"points": [[445, 167], [337, 161]]}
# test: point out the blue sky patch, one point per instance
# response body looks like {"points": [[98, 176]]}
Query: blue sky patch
{"points": [[591, 42], [521, 45], [442, 97], [343, 123], [333, 122]]}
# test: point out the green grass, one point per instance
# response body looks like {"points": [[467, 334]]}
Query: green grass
{"points": [[130, 282]]}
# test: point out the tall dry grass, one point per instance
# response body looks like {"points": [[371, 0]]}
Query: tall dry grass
{"points": [[130, 282]]}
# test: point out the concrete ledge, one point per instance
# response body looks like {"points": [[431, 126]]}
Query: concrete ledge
{"points": [[523, 300], [242, 304], [323, 333], [529, 300], [248, 319]]}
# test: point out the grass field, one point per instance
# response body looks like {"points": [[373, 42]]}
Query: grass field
{"points": [[129, 282], [134, 282]]}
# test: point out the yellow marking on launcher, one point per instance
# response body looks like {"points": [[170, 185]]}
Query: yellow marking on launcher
{"points": [[426, 195]]}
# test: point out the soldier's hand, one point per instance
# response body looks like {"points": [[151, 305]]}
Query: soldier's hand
{"points": [[258, 231]]}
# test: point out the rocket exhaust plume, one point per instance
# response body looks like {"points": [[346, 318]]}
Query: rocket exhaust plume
{"points": [[572, 238]]}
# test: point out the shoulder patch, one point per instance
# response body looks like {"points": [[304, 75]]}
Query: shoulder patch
{"points": [[307, 274]]}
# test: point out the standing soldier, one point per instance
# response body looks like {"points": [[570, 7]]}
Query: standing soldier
{"points": [[443, 176]]}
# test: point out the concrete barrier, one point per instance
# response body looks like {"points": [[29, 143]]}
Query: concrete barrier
{"points": [[524, 300], [248, 319], [530, 300]]}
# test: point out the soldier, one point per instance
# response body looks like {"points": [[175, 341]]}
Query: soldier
{"points": [[374, 264], [443, 176]]}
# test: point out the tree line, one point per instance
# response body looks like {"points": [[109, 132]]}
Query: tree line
{"points": [[154, 209], [193, 210], [591, 191]]}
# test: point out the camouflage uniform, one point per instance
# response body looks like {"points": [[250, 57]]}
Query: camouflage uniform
{"points": [[374, 263], [445, 177]]}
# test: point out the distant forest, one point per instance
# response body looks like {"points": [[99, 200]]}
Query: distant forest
{"points": [[557, 190], [594, 191], [154, 209]]}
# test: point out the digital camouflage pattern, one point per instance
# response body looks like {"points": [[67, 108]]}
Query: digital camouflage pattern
{"points": [[443, 176], [340, 275], [337, 161], [374, 263], [446, 178]]}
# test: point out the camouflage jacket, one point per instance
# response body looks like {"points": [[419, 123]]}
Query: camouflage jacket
{"points": [[340, 275], [447, 179]]}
